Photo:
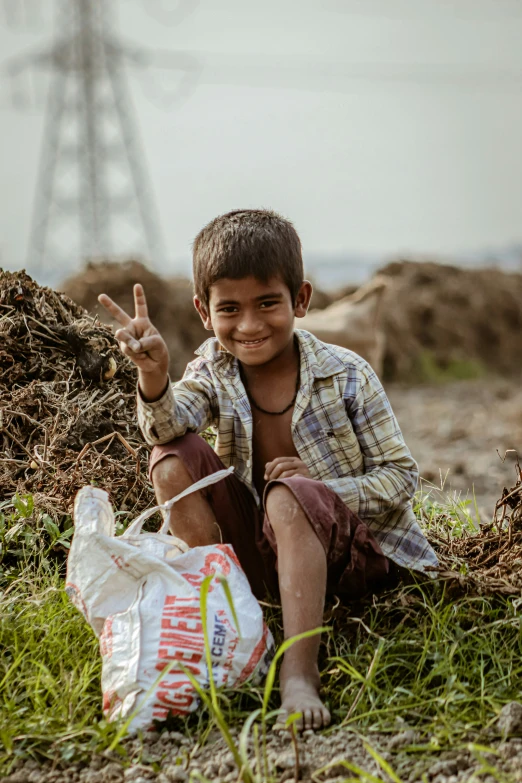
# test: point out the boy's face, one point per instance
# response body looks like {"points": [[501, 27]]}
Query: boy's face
{"points": [[251, 319]]}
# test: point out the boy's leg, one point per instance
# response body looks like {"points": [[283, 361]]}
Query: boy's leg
{"points": [[320, 543], [302, 569], [192, 518], [224, 512]]}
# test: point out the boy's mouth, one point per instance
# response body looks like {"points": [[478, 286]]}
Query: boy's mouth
{"points": [[252, 343]]}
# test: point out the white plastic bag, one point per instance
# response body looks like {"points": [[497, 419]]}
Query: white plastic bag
{"points": [[140, 592]]}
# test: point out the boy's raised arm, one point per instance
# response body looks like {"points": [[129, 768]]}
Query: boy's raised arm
{"points": [[142, 343], [164, 412]]}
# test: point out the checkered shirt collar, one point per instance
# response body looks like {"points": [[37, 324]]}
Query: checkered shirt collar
{"points": [[320, 360]]}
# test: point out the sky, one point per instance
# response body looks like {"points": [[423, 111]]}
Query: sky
{"points": [[379, 127]]}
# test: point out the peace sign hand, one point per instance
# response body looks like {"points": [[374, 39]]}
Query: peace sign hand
{"points": [[139, 339]]}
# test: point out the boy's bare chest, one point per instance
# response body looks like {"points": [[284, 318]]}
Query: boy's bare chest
{"points": [[272, 437]]}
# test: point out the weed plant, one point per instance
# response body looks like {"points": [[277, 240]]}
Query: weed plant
{"points": [[418, 656]]}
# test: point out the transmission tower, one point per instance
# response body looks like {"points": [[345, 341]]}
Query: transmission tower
{"points": [[93, 197]]}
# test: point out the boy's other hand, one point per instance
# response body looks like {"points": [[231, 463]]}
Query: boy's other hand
{"points": [[138, 338], [284, 467]]}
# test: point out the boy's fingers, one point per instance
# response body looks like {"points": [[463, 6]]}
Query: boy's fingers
{"points": [[283, 463], [279, 460], [140, 302], [279, 469], [115, 310], [126, 351], [289, 473], [152, 343], [123, 336]]}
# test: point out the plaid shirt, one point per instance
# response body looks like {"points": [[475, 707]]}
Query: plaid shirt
{"points": [[343, 429]]}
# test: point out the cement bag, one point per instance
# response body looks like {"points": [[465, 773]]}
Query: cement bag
{"points": [[140, 592]]}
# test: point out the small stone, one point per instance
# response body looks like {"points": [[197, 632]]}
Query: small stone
{"points": [[132, 773], [223, 769], [407, 737], [462, 762], [444, 767], [111, 771], [510, 719], [337, 768], [93, 776], [507, 750], [175, 773], [285, 760], [97, 762]]}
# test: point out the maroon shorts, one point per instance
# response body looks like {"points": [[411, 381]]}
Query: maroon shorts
{"points": [[356, 564]]}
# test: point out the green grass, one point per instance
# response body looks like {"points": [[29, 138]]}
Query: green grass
{"points": [[441, 663], [427, 369]]}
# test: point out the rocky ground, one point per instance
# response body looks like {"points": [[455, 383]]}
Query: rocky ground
{"points": [[336, 757], [459, 432]]}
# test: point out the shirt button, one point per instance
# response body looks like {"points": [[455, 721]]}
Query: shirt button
{"points": [[249, 463]]}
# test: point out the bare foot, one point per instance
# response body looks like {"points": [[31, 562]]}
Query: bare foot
{"points": [[301, 694]]}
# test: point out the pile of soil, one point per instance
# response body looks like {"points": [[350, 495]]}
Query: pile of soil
{"points": [[67, 412], [169, 301], [435, 317], [452, 315]]}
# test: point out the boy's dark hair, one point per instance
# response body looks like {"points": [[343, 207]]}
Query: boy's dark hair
{"points": [[246, 242]]}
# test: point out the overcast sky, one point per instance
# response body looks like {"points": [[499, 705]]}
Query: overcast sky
{"points": [[419, 152]]}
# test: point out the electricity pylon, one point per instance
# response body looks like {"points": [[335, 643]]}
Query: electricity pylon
{"points": [[93, 196]]}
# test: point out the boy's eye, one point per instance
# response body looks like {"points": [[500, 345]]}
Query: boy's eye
{"points": [[268, 304], [230, 309]]}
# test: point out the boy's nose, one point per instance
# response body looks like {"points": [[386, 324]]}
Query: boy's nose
{"points": [[250, 325]]}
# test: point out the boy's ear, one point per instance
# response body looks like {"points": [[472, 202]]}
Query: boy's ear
{"points": [[203, 313], [302, 300]]}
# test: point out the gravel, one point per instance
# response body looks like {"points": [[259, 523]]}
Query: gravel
{"points": [[173, 758]]}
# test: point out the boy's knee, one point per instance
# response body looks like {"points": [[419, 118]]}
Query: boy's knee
{"points": [[283, 509], [170, 469], [190, 449]]}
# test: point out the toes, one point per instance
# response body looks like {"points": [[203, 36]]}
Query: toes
{"points": [[318, 719], [308, 719]]}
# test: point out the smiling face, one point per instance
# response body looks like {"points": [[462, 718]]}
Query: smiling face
{"points": [[254, 320]]}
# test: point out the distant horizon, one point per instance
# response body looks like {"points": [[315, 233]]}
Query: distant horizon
{"points": [[327, 268]]}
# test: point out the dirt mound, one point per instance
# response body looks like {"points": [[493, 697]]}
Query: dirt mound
{"points": [[67, 395], [437, 319], [170, 303], [448, 316]]}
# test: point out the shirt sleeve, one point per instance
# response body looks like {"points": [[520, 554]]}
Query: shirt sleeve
{"points": [[390, 472], [188, 405]]}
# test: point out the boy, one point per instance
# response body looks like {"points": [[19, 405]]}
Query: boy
{"points": [[320, 498]]}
